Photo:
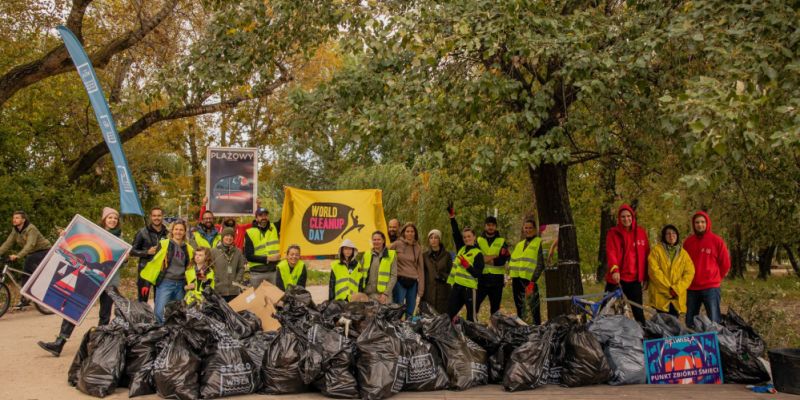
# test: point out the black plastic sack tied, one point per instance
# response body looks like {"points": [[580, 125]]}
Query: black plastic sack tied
{"points": [[138, 314], [216, 307], [739, 363], [663, 325], [622, 342], [176, 370], [464, 360], [528, 366], [425, 369], [512, 333], [381, 372], [327, 364], [227, 369], [103, 363], [142, 351], [585, 363]]}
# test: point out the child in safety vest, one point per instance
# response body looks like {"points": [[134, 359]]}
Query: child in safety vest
{"points": [[199, 275]]}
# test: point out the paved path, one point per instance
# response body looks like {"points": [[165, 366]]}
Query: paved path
{"points": [[27, 372]]}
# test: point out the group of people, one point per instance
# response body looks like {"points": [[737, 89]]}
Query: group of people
{"points": [[176, 263]]}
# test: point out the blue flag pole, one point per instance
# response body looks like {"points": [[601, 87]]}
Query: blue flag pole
{"points": [[128, 197]]}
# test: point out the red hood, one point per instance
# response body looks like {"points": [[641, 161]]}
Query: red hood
{"points": [[630, 209], [704, 215]]}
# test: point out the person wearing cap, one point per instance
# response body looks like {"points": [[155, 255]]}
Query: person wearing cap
{"points": [[291, 270], [346, 273], [437, 262], [33, 246], [525, 267], [495, 256], [229, 264], [466, 270], [111, 223], [380, 264], [262, 249], [670, 272]]}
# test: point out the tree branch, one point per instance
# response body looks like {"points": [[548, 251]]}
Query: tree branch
{"points": [[84, 163], [57, 60]]}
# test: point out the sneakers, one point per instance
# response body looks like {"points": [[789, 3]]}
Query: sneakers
{"points": [[55, 347], [23, 302]]}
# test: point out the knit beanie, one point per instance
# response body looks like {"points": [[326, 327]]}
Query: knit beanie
{"points": [[108, 211], [228, 231]]}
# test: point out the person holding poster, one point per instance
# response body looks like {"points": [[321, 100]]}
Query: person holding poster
{"points": [[205, 234], [230, 222], [627, 249], [291, 271], [466, 270], [228, 262], [109, 222], [670, 273], [526, 266], [346, 273], [33, 246], [262, 249], [199, 275], [166, 271], [381, 266]]}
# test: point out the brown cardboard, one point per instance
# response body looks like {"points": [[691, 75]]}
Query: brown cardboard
{"points": [[261, 301]]}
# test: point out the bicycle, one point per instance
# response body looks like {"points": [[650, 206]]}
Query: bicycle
{"points": [[5, 292]]}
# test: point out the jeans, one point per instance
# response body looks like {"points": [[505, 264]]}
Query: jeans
{"points": [[257, 277], [167, 291], [407, 296], [709, 298]]}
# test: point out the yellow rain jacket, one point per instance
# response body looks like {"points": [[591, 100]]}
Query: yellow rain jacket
{"points": [[664, 274]]}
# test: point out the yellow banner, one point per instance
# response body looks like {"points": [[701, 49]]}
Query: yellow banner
{"points": [[318, 221]]}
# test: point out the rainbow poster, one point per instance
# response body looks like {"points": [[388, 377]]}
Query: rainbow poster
{"points": [[77, 269]]}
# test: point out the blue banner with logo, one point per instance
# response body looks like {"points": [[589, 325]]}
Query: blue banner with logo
{"points": [[128, 197], [683, 359]]}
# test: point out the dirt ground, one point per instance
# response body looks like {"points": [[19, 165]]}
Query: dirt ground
{"points": [[30, 373]]}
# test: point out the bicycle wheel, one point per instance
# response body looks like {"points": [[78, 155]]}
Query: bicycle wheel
{"points": [[44, 311], [5, 298]]}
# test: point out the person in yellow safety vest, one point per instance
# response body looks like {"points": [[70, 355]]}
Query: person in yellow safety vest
{"points": [[346, 273], [381, 269], [466, 271], [525, 268], [292, 270], [205, 234], [262, 249], [495, 256], [166, 271], [199, 275]]}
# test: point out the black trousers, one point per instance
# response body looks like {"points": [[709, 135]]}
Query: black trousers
{"points": [[633, 291], [32, 261], [493, 290], [518, 286], [105, 316], [672, 311], [141, 283], [460, 296]]}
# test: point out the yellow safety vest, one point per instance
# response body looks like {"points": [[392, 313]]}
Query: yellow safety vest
{"points": [[264, 245], [384, 270], [289, 275], [201, 241], [458, 274], [524, 259], [196, 294], [492, 250], [345, 282], [158, 264]]}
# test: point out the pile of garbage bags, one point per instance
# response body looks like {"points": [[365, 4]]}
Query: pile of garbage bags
{"points": [[365, 350]]}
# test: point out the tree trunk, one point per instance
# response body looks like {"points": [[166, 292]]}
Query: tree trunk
{"points": [[738, 254], [765, 261], [792, 260], [608, 188], [195, 164], [552, 203]]}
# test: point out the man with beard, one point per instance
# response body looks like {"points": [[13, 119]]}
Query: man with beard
{"points": [[145, 245], [392, 228], [230, 222], [205, 233], [33, 246], [262, 249]]}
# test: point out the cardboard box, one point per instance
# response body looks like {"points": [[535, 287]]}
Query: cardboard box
{"points": [[260, 301]]}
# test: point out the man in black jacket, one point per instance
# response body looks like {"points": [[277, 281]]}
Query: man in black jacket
{"points": [[145, 245]]}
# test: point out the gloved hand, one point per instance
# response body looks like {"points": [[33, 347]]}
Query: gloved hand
{"points": [[451, 211], [530, 288], [672, 293], [504, 252], [145, 291], [463, 261]]}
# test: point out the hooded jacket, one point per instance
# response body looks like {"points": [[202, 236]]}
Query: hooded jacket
{"points": [[709, 255], [351, 265], [667, 273], [627, 250]]}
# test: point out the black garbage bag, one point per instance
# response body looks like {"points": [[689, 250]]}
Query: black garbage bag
{"points": [[529, 364], [664, 325], [425, 369], [464, 360], [739, 365], [329, 357], [226, 368], [380, 364], [585, 363], [142, 352], [138, 314], [252, 320], [217, 308], [749, 339], [281, 370], [77, 361], [622, 342], [104, 364], [176, 369], [512, 333], [561, 326], [331, 311], [258, 344], [361, 315]]}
